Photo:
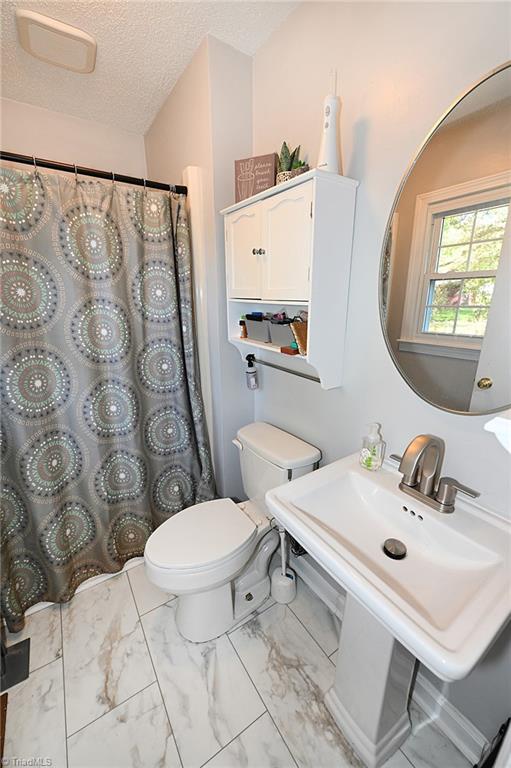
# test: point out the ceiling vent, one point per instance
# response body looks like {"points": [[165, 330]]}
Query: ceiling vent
{"points": [[55, 42]]}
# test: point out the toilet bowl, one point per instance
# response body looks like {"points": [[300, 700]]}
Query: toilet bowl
{"points": [[215, 556]]}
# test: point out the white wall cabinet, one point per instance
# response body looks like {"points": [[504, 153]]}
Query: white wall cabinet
{"points": [[289, 247], [287, 229], [243, 234], [268, 247]]}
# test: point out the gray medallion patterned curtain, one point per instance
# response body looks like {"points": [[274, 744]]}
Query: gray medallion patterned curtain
{"points": [[103, 434]]}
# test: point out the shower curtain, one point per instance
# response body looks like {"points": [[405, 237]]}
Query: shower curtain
{"points": [[103, 435]]}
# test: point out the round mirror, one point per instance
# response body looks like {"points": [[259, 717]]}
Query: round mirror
{"points": [[445, 281]]}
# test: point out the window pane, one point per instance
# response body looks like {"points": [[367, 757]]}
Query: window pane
{"points": [[452, 258], [490, 223], [439, 320], [485, 255], [457, 228], [477, 291], [471, 322], [445, 292]]}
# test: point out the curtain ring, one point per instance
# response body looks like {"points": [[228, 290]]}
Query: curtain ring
{"points": [[36, 170], [113, 177], [76, 174], [145, 187]]}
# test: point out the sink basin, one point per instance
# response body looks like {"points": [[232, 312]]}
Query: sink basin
{"points": [[446, 600]]}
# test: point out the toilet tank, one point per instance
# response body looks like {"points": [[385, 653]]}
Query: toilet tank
{"points": [[270, 457]]}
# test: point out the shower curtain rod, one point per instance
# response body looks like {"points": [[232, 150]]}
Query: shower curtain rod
{"points": [[83, 171]]}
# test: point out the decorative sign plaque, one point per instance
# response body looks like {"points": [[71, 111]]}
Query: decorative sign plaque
{"points": [[254, 174]]}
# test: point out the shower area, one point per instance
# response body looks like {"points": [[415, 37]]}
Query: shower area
{"points": [[103, 433]]}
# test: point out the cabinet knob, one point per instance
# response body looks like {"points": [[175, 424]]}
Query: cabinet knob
{"points": [[254, 251], [485, 383]]}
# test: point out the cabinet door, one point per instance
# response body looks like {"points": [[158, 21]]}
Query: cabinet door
{"points": [[242, 240], [287, 229]]}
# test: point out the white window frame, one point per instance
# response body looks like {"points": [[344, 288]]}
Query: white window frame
{"points": [[428, 210]]}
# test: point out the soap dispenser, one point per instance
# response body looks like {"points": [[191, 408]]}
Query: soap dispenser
{"points": [[373, 449], [251, 372]]}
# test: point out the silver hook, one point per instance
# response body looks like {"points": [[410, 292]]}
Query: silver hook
{"points": [[76, 174]]}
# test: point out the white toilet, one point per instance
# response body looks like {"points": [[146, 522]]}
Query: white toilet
{"points": [[215, 556]]}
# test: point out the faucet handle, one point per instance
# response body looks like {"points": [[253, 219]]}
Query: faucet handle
{"points": [[395, 457], [447, 490]]}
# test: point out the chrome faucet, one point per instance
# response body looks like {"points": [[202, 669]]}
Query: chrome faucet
{"points": [[421, 465]]}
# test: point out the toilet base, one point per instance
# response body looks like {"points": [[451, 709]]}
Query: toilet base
{"points": [[202, 616]]}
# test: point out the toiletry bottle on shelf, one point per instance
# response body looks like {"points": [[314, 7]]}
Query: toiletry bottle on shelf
{"points": [[373, 449], [251, 373]]}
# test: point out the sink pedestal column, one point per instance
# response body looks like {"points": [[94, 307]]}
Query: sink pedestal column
{"points": [[369, 699]]}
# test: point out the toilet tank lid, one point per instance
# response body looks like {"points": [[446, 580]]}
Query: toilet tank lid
{"points": [[278, 447]]}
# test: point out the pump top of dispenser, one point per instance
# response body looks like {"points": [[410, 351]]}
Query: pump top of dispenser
{"points": [[374, 435]]}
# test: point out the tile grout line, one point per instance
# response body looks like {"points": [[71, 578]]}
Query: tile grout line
{"points": [[120, 704], [151, 610], [165, 602], [250, 617], [235, 737], [63, 682], [259, 694], [154, 670], [406, 758], [310, 635]]}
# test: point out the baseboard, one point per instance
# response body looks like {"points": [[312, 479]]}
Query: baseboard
{"points": [[447, 718]]}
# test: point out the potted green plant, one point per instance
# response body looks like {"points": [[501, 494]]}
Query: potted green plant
{"points": [[290, 164]]}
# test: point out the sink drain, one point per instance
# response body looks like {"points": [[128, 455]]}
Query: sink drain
{"points": [[394, 548]]}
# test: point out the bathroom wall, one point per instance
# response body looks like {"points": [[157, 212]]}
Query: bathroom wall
{"points": [[31, 130], [204, 123], [400, 65]]}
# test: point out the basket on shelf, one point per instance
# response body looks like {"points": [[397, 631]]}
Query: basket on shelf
{"points": [[300, 333]]}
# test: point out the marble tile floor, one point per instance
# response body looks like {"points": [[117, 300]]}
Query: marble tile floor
{"points": [[113, 684]]}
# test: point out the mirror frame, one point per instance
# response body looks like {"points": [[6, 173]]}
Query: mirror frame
{"points": [[404, 179]]}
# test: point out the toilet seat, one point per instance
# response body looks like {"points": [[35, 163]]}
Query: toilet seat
{"points": [[200, 537], [200, 548]]}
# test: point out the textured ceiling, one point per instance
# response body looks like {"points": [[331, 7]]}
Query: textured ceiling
{"points": [[143, 47]]}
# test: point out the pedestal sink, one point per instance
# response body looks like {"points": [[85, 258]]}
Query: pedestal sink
{"points": [[443, 603]]}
